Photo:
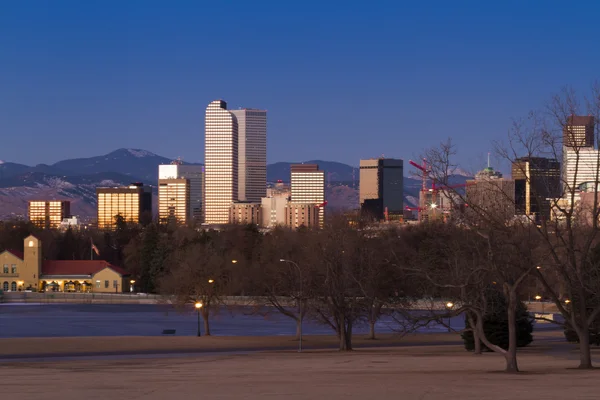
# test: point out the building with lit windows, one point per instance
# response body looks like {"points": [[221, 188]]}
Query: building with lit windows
{"points": [[194, 175], [537, 181], [303, 215], [29, 270], [579, 132], [381, 192], [308, 187], [220, 163], [252, 153], [174, 201], [245, 212], [130, 202], [48, 214]]}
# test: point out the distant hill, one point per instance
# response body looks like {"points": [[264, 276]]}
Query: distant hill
{"points": [[77, 179]]}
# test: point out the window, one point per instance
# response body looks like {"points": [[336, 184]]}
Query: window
{"points": [[13, 286], [115, 284], [106, 284], [98, 284], [13, 268], [5, 269], [5, 286]]}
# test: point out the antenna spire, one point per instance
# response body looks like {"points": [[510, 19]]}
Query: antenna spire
{"points": [[488, 159]]}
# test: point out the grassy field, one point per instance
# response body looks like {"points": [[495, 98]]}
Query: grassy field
{"points": [[407, 373]]}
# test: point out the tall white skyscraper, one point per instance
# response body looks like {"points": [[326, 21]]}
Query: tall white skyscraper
{"points": [[220, 162], [252, 154]]}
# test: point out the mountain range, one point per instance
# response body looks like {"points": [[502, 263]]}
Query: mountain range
{"points": [[77, 179]]}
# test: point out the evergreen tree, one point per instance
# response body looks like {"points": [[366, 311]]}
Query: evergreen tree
{"points": [[495, 323]]}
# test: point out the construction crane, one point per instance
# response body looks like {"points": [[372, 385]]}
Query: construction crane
{"points": [[423, 192]]}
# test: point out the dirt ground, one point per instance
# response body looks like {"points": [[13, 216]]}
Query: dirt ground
{"points": [[91, 345], [407, 373]]}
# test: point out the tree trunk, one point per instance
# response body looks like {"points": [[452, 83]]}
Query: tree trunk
{"points": [[348, 335], [342, 334], [511, 354], [477, 342], [371, 330], [585, 357], [298, 328], [206, 323]]}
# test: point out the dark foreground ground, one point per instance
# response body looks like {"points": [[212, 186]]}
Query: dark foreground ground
{"points": [[407, 373]]}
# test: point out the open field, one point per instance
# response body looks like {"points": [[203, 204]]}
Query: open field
{"points": [[423, 372]]}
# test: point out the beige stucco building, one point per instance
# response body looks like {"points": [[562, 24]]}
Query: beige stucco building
{"points": [[27, 270]]}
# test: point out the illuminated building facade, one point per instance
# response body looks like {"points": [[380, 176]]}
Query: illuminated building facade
{"points": [[245, 212], [48, 214], [252, 153], [221, 162], [308, 187], [130, 202]]}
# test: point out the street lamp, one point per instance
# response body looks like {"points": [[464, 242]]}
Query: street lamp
{"points": [[449, 306], [198, 306], [567, 301], [234, 261], [539, 298], [131, 282], [211, 281], [283, 260]]}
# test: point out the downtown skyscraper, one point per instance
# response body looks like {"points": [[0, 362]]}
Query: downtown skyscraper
{"points": [[220, 162], [252, 154]]}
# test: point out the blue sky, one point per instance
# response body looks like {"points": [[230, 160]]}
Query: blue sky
{"points": [[341, 80]]}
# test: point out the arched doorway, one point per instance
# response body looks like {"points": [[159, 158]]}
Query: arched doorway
{"points": [[5, 286], [13, 286]]}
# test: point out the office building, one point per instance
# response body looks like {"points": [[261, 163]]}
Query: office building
{"points": [[48, 214], [579, 132], [194, 175], [130, 202], [580, 166], [306, 215], [537, 180], [491, 196], [221, 163], [174, 201], [381, 192], [252, 153], [245, 212], [273, 211], [308, 187], [279, 189]]}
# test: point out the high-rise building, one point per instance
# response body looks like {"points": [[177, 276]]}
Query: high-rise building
{"points": [[381, 192], [579, 131], [273, 210], [252, 153], [48, 214], [490, 195], [130, 202], [580, 166], [308, 187], [174, 201], [194, 174], [537, 180], [220, 162]]}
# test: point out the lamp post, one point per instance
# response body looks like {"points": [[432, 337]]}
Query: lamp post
{"points": [[198, 306], [301, 308], [131, 282], [539, 298], [449, 306]]}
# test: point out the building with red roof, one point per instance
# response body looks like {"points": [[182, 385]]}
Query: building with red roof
{"points": [[28, 270]]}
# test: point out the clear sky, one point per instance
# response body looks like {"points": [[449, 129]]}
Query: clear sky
{"points": [[341, 80]]}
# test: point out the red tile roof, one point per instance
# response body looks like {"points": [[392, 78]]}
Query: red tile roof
{"points": [[15, 253], [77, 267]]}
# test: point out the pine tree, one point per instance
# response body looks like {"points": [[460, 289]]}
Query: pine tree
{"points": [[495, 323]]}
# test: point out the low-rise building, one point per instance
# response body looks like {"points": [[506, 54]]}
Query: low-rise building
{"points": [[273, 211], [245, 212], [302, 214], [27, 270]]}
